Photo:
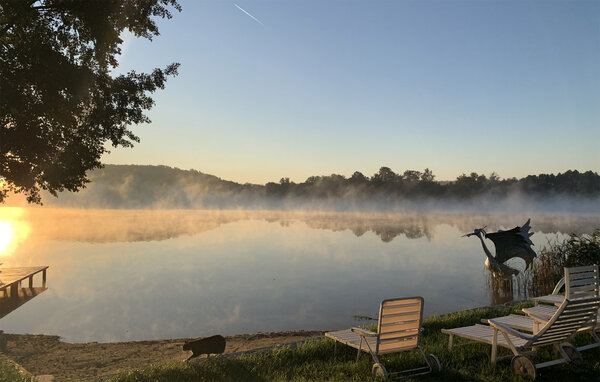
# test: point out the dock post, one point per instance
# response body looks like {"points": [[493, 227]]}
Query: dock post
{"points": [[30, 281], [44, 278], [14, 290]]}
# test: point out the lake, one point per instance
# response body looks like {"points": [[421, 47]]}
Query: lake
{"points": [[120, 275]]}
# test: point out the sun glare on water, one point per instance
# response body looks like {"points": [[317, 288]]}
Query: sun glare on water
{"points": [[13, 229], [7, 233]]}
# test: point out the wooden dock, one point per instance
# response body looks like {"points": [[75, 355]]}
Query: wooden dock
{"points": [[11, 279]]}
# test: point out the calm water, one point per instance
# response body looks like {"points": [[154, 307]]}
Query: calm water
{"points": [[132, 275]]}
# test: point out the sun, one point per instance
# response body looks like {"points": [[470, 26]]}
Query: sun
{"points": [[7, 234]]}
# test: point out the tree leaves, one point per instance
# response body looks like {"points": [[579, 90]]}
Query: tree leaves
{"points": [[59, 103]]}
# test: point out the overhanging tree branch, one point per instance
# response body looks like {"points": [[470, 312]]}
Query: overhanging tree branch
{"points": [[59, 104]]}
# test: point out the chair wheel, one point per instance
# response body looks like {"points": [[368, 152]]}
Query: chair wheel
{"points": [[434, 363], [524, 366], [379, 370], [572, 353]]}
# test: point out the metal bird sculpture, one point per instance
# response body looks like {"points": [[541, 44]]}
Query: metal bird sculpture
{"points": [[509, 244]]}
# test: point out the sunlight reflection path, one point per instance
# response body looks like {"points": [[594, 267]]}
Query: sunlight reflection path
{"points": [[14, 229]]}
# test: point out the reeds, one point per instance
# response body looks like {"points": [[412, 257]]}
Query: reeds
{"points": [[574, 251]]}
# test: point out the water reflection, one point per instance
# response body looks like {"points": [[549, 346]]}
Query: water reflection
{"points": [[14, 228], [9, 303], [133, 275], [6, 236], [109, 226]]}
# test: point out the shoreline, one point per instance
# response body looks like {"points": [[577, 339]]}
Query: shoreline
{"points": [[42, 354]]}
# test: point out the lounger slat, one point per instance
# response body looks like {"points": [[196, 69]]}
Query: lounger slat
{"points": [[547, 342], [582, 269], [398, 335], [515, 321], [577, 293], [348, 337], [400, 318], [571, 317], [576, 277], [553, 337], [576, 317], [580, 303], [567, 331], [580, 294], [401, 302], [398, 345], [578, 280], [397, 327], [587, 312], [483, 333], [582, 275], [402, 309], [568, 325], [543, 310], [552, 298]]}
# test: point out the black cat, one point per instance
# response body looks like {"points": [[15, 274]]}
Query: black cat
{"points": [[208, 346]]}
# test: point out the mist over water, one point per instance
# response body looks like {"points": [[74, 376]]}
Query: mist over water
{"points": [[147, 274], [162, 187]]}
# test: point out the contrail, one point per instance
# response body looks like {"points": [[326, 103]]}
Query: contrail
{"points": [[253, 18]]}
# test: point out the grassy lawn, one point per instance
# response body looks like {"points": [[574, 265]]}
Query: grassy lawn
{"points": [[10, 372], [315, 361]]}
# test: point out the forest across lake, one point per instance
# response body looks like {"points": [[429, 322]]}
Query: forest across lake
{"points": [[132, 186]]}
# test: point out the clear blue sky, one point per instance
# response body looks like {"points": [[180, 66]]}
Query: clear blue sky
{"points": [[320, 87]]}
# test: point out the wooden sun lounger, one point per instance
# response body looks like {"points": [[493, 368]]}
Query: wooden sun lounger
{"points": [[579, 282], [399, 329], [578, 310], [580, 279]]}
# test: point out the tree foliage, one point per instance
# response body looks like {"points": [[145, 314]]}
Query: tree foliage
{"points": [[129, 186], [59, 101]]}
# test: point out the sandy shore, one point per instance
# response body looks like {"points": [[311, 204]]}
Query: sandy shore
{"points": [[42, 354]]}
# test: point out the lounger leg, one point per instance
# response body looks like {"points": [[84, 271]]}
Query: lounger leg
{"points": [[359, 347], [425, 358], [451, 342], [594, 335], [495, 346]]}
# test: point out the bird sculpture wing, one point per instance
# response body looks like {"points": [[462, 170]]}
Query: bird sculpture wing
{"points": [[513, 243]]}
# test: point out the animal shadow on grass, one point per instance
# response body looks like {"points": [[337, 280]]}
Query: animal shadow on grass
{"points": [[209, 345]]}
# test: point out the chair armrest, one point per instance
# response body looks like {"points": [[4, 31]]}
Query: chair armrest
{"points": [[509, 330], [364, 333]]}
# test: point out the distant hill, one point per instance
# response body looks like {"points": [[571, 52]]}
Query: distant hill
{"points": [[133, 186]]}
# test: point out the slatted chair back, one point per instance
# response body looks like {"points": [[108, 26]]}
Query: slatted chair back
{"points": [[581, 282], [570, 316], [399, 324]]}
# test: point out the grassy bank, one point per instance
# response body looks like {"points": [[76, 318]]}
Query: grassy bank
{"points": [[315, 361], [9, 371]]}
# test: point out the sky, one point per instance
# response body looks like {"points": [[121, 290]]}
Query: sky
{"points": [[281, 88]]}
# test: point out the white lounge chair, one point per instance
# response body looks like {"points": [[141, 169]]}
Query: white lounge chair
{"points": [[399, 329], [578, 282], [571, 316], [582, 282]]}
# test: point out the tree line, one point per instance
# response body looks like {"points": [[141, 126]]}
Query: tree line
{"points": [[133, 186], [417, 184]]}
